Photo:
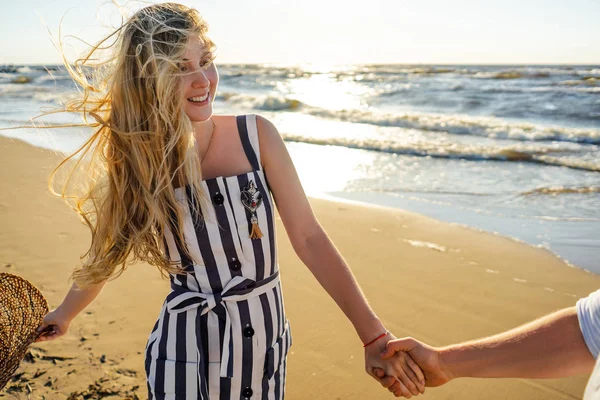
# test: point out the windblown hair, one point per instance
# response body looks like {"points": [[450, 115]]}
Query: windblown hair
{"points": [[142, 146]]}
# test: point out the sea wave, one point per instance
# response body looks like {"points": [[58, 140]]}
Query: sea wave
{"points": [[499, 75], [557, 190], [452, 150], [266, 102], [449, 123], [530, 72], [583, 81], [36, 92], [464, 125]]}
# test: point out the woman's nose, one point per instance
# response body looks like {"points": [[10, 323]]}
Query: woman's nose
{"points": [[200, 80]]}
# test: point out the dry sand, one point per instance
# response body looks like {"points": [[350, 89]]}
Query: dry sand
{"points": [[437, 282]]}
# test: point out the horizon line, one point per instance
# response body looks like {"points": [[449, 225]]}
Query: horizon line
{"points": [[361, 64]]}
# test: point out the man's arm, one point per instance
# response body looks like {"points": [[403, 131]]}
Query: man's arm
{"points": [[550, 347]]}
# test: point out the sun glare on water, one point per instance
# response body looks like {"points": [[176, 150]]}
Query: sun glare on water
{"points": [[326, 89]]}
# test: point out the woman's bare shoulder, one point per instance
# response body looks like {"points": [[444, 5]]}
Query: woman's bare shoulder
{"points": [[223, 119], [265, 125]]}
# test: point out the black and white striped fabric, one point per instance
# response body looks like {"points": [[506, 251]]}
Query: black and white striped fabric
{"points": [[222, 332]]}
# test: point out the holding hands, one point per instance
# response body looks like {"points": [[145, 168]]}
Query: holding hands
{"points": [[394, 369], [428, 362]]}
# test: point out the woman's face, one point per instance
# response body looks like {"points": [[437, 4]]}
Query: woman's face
{"points": [[200, 81]]}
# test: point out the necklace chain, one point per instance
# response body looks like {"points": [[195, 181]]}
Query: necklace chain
{"points": [[212, 132]]}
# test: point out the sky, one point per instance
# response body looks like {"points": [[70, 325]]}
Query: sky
{"points": [[336, 31]]}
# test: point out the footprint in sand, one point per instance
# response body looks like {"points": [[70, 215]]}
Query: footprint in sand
{"points": [[126, 372], [492, 271]]}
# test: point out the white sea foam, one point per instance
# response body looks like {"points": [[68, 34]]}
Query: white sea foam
{"points": [[450, 123], [427, 245], [523, 152]]}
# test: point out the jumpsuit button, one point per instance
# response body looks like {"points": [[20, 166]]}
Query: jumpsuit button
{"points": [[248, 332], [235, 265], [218, 199], [247, 392]]}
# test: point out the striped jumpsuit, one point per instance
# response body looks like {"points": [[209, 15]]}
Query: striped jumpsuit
{"points": [[222, 332]]}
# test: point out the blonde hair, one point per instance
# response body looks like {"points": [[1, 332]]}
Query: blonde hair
{"points": [[142, 145]]}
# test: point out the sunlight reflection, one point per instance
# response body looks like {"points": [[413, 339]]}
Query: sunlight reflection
{"points": [[308, 126], [324, 90], [325, 169]]}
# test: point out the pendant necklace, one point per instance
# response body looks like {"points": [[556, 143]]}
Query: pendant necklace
{"points": [[252, 199]]}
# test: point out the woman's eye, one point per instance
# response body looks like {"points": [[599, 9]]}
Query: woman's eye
{"points": [[183, 69], [205, 63]]}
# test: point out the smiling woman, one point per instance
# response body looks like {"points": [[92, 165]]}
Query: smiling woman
{"points": [[169, 183]]}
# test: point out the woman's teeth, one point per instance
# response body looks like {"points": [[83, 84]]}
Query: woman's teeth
{"points": [[199, 99]]}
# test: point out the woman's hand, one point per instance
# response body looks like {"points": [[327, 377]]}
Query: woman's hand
{"points": [[54, 325], [407, 373]]}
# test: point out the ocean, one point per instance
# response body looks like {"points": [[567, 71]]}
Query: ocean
{"points": [[513, 150]]}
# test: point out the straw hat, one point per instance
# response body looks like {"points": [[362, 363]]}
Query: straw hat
{"points": [[22, 309]]}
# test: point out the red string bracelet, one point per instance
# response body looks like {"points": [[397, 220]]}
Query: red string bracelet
{"points": [[376, 339]]}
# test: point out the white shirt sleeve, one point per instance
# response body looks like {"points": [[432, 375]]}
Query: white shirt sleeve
{"points": [[588, 313]]}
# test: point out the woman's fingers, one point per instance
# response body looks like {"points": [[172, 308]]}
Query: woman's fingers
{"points": [[42, 327], [40, 331], [400, 390], [49, 332], [386, 381], [395, 388]]}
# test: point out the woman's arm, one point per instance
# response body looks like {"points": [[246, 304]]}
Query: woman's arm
{"points": [[315, 249], [59, 319]]}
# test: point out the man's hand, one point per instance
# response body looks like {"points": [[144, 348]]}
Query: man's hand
{"points": [[408, 380], [427, 357]]}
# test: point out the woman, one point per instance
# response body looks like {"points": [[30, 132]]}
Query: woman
{"points": [[185, 190]]}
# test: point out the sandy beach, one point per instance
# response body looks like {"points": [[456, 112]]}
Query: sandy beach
{"points": [[437, 282]]}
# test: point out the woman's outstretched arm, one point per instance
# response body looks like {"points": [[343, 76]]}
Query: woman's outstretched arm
{"points": [[318, 253]]}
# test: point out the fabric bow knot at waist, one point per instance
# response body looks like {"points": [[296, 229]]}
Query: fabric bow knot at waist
{"points": [[237, 289]]}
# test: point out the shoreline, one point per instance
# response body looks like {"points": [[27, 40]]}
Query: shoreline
{"points": [[347, 200], [573, 241], [513, 215], [428, 279], [351, 198]]}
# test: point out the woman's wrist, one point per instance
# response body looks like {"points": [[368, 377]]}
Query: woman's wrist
{"points": [[379, 344], [376, 339], [369, 331], [62, 313]]}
